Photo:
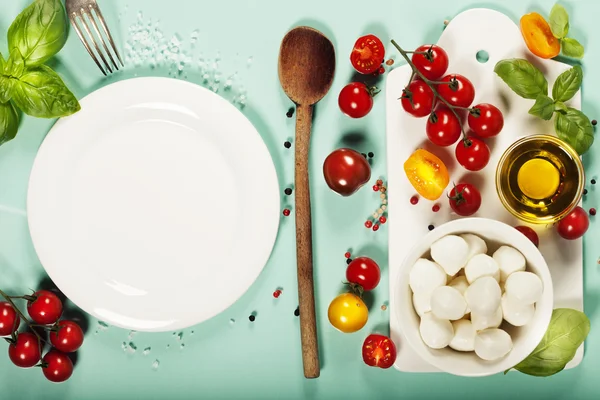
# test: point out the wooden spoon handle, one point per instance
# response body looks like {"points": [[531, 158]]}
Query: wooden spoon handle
{"points": [[306, 296]]}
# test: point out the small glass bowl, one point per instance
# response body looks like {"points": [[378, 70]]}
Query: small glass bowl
{"points": [[570, 189]]}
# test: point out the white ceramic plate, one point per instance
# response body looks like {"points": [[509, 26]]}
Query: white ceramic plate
{"points": [[156, 206]]}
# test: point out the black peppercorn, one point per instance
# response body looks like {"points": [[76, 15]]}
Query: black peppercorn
{"points": [[430, 227], [364, 155], [371, 155], [290, 112], [252, 318], [288, 191], [594, 122], [297, 311], [348, 260], [287, 145], [593, 181], [584, 191]]}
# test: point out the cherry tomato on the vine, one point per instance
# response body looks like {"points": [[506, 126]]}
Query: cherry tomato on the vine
{"points": [[465, 199], [25, 352], [472, 153], [57, 366], [529, 233], [379, 351], [9, 319], [365, 272], [458, 91], [485, 120], [348, 313], [46, 309], [433, 64], [574, 225], [417, 99], [68, 338], [356, 99], [443, 127], [368, 54]]}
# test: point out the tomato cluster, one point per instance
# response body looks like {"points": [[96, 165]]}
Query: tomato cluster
{"points": [[25, 350]]}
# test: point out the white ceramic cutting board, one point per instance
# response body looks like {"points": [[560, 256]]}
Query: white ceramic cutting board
{"points": [[467, 34]]}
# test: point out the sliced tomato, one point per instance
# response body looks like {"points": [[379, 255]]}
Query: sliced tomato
{"points": [[379, 351], [368, 54]]}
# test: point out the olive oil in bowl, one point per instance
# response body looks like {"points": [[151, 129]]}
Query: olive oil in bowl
{"points": [[540, 179]]}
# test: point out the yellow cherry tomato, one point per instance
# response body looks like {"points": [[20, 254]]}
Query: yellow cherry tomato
{"points": [[427, 173], [348, 313]]}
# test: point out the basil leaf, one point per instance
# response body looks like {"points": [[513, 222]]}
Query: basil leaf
{"points": [[575, 128], [572, 48], [39, 32], [560, 107], [41, 93], [567, 330], [522, 77], [9, 122], [543, 107], [6, 88], [567, 84], [559, 21], [15, 66], [2, 63]]}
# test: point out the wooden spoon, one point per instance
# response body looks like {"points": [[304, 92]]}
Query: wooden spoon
{"points": [[306, 68]]}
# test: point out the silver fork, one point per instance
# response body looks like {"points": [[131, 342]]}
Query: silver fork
{"points": [[83, 11]]}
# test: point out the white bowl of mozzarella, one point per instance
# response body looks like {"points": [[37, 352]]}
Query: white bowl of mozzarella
{"points": [[473, 297]]}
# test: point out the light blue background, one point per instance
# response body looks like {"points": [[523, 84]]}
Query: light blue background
{"points": [[262, 360]]}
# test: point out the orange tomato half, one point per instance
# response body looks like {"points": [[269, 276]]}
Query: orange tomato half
{"points": [[427, 173], [538, 36]]}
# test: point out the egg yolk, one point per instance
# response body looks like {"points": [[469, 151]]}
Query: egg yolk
{"points": [[538, 179]]}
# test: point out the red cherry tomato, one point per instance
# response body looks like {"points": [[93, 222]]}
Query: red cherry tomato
{"points": [[417, 99], [346, 171], [365, 272], [472, 153], [9, 319], [368, 54], [68, 338], [486, 120], [355, 100], [46, 309], [25, 353], [443, 127], [459, 92], [574, 225], [57, 366], [379, 351], [433, 64], [465, 199], [530, 233]]}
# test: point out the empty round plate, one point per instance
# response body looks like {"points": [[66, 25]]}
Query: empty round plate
{"points": [[156, 206]]}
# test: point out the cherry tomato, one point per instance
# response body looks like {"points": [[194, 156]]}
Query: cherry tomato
{"points": [[434, 64], [346, 171], [348, 313], [485, 120], [443, 127], [365, 272], [459, 92], [368, 54], [57, 366], [379, 351], [574, 225], [530, 233], [465, 199], [356, 100], [46, 309], [25, 353], [417, 99], [9, 319], [472, 153], [68, 338]]}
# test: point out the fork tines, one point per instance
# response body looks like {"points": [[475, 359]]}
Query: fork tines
{"points": [[82, 17]]}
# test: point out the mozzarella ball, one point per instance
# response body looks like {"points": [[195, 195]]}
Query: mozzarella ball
{"points": [[492, 344], [450, 252], [464, 336], [436, 333], [459, 283], [425, 276], [482, 265], [515, 313], [524, 287], [483, 296], [509, 260], [476, 245], [486, 321], [448, 303], [422, 302]]}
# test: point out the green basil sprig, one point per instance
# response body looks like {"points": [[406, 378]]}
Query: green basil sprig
{"points": [[571, 125], [568, 329], [559, 24], [35, 36]]}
